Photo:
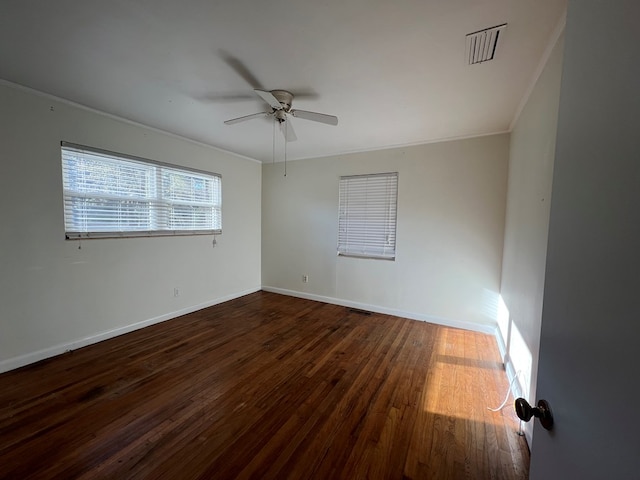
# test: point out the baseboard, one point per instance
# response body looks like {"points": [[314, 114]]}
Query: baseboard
{"points": [[514, 382], [32, 357], [476, 327], [512, 375], [29, 358]]}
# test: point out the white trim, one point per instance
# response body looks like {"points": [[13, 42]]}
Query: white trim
{"points": [[26, 359], [553, 40], [80, 106], [447, 322], [502, 348], [516, 387], [399, 145]]}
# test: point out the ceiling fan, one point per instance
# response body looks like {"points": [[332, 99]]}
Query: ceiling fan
{"points": [[280, 102]]}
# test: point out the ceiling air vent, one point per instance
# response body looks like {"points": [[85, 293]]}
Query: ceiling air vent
{"points": [[481, 45]]}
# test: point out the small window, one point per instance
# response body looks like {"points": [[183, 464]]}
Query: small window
{"points": [[367, 216], [114, 195]]}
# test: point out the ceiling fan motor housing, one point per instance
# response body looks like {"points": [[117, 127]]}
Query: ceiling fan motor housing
{"points": [[285, 98]]}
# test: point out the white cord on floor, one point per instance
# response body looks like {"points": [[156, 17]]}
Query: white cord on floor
{"points": [[506, 397]]}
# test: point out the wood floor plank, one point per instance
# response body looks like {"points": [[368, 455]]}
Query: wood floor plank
{"points": [[268, 387]]}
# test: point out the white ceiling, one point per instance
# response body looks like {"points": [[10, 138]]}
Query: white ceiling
{"points": [[394, 72]]}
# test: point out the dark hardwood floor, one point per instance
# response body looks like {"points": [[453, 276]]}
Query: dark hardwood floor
{"points": [[266, 386]]}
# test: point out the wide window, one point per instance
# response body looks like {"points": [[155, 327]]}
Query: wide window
{"points": [[114, 195], [367, 216]]}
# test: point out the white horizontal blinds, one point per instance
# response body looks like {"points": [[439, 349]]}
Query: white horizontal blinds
{"points": [[192, 200], [367, 217], [105, 195], [108, 195]]}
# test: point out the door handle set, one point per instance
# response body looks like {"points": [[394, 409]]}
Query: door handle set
{"points": [[542, 412]]}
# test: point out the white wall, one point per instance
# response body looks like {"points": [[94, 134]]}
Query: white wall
{"points": [[451, 208], [531, 157], [54, 296]]}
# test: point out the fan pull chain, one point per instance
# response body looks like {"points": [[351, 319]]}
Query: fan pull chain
{"points": [[273, 156], [286, 128]]}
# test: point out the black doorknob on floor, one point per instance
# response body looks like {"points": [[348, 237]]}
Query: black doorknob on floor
{"points": [[542, 412]]}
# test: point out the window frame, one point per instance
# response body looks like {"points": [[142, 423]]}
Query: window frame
{"points": [[366, 245], [161, 167]]}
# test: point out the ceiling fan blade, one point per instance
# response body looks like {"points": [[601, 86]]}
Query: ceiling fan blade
{"points": [[316, 117], [246, 117], [269, 98], [240, 68], [289, 134]]}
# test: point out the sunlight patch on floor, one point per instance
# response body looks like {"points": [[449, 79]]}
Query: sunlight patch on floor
{"points": [[465, 365]]}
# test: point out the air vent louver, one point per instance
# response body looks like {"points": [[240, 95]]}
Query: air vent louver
{"points": [[481, 45]]}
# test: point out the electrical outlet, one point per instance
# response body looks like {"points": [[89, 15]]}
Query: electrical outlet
{"points": [[176, 292], [305, 278]]}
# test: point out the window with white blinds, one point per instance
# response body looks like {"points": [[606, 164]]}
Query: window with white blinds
{"points": [[114, 195], [367, 215]]}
